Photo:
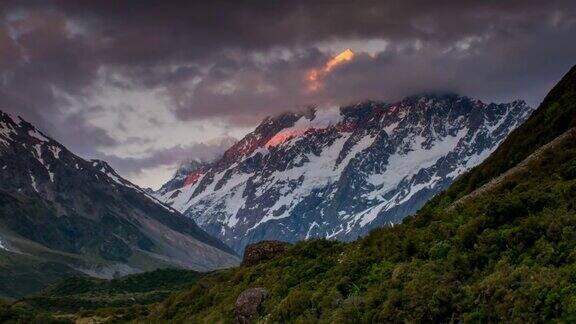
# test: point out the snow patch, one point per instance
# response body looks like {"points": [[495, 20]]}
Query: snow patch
{"points": [[38, 150], [402, 165], [55, 151], [3, 246], [33, 181], [322, 118], [234, 203], [5, 131], [314, 224]]}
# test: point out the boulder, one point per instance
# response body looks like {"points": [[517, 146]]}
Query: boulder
{"points": [[261, 251], [248, 303]]}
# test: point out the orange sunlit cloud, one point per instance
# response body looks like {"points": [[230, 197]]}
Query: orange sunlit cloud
{"points": [[314, 75]]}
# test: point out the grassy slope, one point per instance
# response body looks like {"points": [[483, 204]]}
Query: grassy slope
{"points": [[508, 255], [92, 299], [556, 114], [85, 293], [10, 313], [35, 265], [23, 274]]}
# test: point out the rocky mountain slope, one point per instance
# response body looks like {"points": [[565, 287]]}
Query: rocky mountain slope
{"points": [[61, 214], [338, 173]]}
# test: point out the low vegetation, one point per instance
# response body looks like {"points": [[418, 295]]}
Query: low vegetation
{"points": [[509, 255], [506, 255], [10, 313], [119, 299]]}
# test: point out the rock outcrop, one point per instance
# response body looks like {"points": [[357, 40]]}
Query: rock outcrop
{"points": [[261, 251], [248, 303]]}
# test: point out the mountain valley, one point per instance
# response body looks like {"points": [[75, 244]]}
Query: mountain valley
{"points": [[61, 215]]}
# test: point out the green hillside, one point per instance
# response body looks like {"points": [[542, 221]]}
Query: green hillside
{"points": [[556, 114], [507, 254], [86, 297]]}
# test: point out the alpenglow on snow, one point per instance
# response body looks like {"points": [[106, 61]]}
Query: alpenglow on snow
{"points": [[338, 173]]}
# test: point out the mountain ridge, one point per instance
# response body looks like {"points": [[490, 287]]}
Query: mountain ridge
{"points": [[555, 115], [520, 167], [324, 172], [84, 218], [507, 255]]}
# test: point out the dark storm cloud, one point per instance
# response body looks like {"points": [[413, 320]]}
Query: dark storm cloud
{"points": [[244, 91], [189, 29], [499, 68], [242, 60], [47, 60]]}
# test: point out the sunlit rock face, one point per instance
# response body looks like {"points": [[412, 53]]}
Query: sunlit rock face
{"points": [[338, 173]]}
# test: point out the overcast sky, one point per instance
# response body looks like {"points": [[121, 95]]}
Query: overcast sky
{"points": [[146, 84]]}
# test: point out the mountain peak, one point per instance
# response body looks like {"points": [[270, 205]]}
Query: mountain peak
{"points": [[102, 165], [81, 216], [5, 116], [338, 172]]}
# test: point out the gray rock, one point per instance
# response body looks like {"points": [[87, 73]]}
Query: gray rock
{"points": [[248, 303]]}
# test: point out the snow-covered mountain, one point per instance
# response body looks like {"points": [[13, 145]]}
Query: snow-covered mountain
{"points": [[57, 208], [182, 177], [337, 173]]}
